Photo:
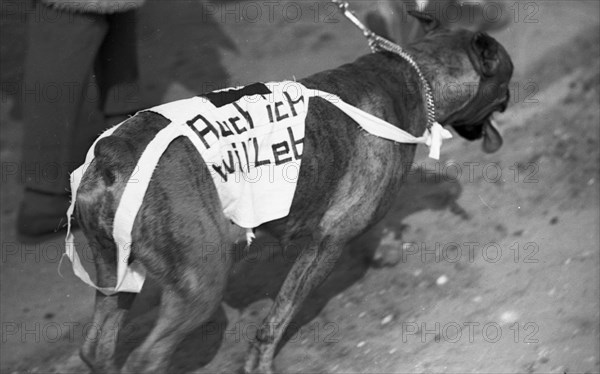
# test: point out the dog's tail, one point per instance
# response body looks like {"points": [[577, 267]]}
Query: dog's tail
{"points": [[114, 156]]}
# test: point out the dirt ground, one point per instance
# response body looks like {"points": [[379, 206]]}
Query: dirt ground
{"points": [[486, 263]]}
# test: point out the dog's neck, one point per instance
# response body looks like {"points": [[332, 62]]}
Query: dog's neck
{"points": [[386, 85], [453, 83]]}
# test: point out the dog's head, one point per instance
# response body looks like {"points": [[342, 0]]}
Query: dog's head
{"points": [[490, 61]]}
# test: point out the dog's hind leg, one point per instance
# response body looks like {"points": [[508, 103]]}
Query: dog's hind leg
{"points": [[311, 267], [98, 349], [183, 240], [181, 312], [192, 289]]}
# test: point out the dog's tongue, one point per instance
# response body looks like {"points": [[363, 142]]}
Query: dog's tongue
{"points": [[492, 140]]}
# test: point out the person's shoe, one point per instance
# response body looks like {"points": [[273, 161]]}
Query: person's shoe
{"points": [[42, 213]]}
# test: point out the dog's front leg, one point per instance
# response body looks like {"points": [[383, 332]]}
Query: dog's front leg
{"points": [[311, 267]]}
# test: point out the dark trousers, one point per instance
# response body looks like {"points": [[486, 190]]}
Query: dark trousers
{"points": [[79, 70]]}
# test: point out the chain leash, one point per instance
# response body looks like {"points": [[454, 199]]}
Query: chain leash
{"points": [[380, 44]]}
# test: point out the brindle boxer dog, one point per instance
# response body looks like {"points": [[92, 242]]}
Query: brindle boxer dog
{"points": [[346, 184]]}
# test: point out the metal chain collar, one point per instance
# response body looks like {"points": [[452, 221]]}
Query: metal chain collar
{"points": [[380, 44]]}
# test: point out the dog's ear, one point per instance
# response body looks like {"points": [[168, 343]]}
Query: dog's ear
{"points": [[486, 50], [428, 22], [112, 155]]}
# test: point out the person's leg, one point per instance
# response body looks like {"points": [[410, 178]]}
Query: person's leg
{"points": [[117, 79], [58, 102], [117, 66]]}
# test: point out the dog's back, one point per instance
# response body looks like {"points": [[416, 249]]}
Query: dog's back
{"points": [[179, 209]]}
